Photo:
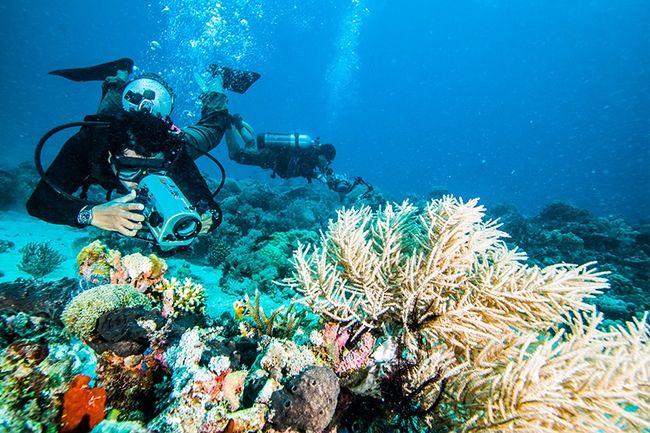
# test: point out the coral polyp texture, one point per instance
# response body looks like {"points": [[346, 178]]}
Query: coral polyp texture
{"points": [[81, 314], [485, 343]]}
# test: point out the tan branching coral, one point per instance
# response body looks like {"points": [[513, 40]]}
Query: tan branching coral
{"points": [[283, 322], [487, 343]]}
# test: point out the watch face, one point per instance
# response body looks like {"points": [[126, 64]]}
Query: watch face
{"points": [[85, 217]]}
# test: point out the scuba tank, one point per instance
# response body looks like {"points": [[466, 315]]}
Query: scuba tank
{"points": [[295, 141]]}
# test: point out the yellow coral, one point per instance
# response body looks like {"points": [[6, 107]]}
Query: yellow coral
{"points": [[95, 259], [177, 297], [190, 297]]}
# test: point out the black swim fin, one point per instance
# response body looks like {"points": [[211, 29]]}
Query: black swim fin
{"points": [[234, 79], [97, 72]]}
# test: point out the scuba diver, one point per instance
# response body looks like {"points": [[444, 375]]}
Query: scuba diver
{"points": [[131, 146], [288, 156]]}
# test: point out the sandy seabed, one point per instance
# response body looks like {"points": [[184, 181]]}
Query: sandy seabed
{"points": [[21, 229]]}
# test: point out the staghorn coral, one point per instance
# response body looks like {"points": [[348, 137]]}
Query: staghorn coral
{"points": [[39, 259], [470, 321], [81, 314]]}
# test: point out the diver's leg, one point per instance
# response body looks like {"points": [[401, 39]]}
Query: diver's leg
{"points": [[112, 89], [208, 131]]}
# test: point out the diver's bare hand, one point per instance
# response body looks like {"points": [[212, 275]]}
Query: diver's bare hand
{"points": [[206, 223], [119, 215]]}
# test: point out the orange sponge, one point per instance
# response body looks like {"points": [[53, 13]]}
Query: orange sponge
{"points": [[83, 407]]}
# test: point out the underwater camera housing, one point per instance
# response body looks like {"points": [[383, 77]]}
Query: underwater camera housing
{"points": [[171, 219]]}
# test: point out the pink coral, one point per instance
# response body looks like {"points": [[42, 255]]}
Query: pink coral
{"points": [[358, 357], [331, 343]]}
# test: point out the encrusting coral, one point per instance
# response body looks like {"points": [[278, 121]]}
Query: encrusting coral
{"points": [[485, 343]]}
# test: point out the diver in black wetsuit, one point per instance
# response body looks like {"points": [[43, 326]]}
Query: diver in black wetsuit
{"points": [[288, 156], [140, 140]]}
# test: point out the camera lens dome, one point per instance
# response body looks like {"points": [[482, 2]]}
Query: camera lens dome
{"points": [[187, 228]]}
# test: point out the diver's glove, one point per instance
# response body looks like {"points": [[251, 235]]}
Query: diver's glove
{"points": [[209, 83]]}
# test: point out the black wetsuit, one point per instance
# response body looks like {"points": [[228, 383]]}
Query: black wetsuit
{"points": [[285, 163], [83, 160]]}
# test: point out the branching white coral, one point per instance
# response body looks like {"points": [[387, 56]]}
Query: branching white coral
{"points": [[499, 345]]}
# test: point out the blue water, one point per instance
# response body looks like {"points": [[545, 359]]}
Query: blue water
{"points": [[521, 101]]}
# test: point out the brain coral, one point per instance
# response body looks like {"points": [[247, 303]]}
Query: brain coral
{"points": [[81, 314]]}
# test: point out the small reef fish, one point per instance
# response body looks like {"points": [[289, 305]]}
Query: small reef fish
{"points": [[241, 308]]}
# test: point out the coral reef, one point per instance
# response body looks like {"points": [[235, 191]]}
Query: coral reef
{"points": [[263, 260], [38, 298], [262, 226], [81, 314], [33, 379], [424, 319], [39, 259], [562, 233], [468, 317], [101, 265], [205, 395]]}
